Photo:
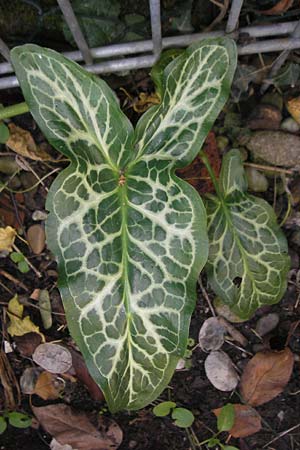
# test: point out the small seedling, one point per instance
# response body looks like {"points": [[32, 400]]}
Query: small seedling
{"points": [[16, 419], [19, 259], [183, 418], [225, 422]]}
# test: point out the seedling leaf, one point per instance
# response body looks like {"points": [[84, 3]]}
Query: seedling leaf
{"points": [[183, 417], [163, 409]]}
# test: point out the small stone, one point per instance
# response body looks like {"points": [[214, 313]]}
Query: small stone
{"points": [[220, 371], [295, 238], [211, 335], [36, 238], [266, 324], [180, 364], [290, 125], [39, 215], [53, 357], [257, 181]]}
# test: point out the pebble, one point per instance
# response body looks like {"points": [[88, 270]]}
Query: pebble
{"points": [[36, 238], [39, 215], [266, 324], [220, 371], [290, 125], [257, 181]]}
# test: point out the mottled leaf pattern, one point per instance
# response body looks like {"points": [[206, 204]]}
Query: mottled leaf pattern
{"points": [[248, 261], [130, 237]]}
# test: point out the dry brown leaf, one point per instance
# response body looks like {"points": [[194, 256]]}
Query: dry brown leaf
{"points": [[8, 211], [27, 343], [293, 107], [196, 173], [76, 430], [48, 386], [247, 421], [7, 238], [21, 142], [145, 101], [280, 7], [266, 375]]}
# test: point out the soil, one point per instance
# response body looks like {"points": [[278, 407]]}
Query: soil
{"points": [[188, 388]]}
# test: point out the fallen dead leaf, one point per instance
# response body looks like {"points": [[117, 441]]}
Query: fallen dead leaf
{"points": [[53, 357], [27, 343], [19, 326], [266, 375], [280, 7], [76, 430], [247, 421], [220, 371], [21, 142], [7, 238], [36, 238], [196, 173], [54, 445], [145, 101], [48, 387], [28, 380]]}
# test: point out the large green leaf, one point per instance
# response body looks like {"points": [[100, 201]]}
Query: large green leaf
{"points": [[248, 261], [130, 237]]}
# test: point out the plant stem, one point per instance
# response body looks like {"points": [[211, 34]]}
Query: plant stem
{"points": [[211, 173], [14, 110]]}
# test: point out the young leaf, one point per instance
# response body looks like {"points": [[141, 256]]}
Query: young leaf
{"points": [[248, 261], [183, 417], [16, 257], [3, 424], [130, 237], [213, 442], [163, 409], [225, 419], [19, 420], [4, 133]]}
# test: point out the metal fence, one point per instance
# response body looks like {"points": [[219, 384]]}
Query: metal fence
{"points": [[282, 37]]}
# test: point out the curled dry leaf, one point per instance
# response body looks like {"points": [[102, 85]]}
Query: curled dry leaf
{"points": [[27, 343], [7, 238], [36, 238], [247, 421], [266, 375], [53, 357], [220, 371], [211, 335], [76, 430], [28, 380], [21, 142]]}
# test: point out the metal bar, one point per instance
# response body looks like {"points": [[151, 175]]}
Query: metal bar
{"points": [[156, 27], [4, 50], [234, 14], [75, 29], [272, 45], [167, 42], [278, 63]]}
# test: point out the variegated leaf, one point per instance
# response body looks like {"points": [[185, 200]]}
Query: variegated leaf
{"points": [[129, 236], [248, 261]]}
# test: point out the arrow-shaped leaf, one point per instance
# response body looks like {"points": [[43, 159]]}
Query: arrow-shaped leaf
{"points": [[248, 261], [129, 236]]}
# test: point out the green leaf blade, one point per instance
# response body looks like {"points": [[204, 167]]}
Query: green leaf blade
{"points": [[226, 418], [129, 236], [248, 261], [183, 417]]}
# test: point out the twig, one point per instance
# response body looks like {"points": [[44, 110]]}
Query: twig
{"points": [[223, 10], [284, 433], [13, 279], [269, 168], [205, 295]]}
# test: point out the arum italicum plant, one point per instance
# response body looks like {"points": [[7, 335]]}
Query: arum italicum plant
{"points": [[130, 237]]}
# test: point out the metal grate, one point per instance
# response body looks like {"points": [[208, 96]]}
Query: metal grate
{"points": [[263, 38]]}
